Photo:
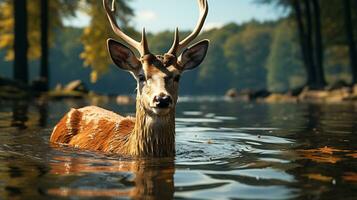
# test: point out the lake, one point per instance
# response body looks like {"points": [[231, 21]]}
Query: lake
{"points": [[224, 150]]}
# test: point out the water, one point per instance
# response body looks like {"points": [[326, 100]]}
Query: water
{"points": [[225, 150]]}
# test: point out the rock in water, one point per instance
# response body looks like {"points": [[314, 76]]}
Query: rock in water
{"points": [[76, 85]]}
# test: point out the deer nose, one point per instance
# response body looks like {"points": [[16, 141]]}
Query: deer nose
{"points": [[162, 101]]}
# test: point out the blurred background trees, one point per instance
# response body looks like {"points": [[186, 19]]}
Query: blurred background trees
{"points": [[313, 45], [20, 41], [95, 52], [28, 27]]}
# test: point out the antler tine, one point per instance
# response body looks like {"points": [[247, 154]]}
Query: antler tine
{"points": [[173, 49], [144, 43], [203, 7], [142, 46]]}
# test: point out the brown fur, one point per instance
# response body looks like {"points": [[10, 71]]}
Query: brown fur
{"points": [[148, 134], [152, 132], [116, 134], [63, 133], [94, 133], [152, 137]]}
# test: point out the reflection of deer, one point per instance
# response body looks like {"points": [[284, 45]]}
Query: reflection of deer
{"points": [[152, 132], [152, 180]]}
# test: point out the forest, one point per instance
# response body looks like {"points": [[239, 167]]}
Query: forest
{"points": [[314, 46]]}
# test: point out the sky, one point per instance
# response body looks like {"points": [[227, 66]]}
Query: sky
{"points": [[160, 15]]}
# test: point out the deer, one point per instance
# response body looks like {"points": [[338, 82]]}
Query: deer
{"points": [[153, 178], [151, 133]]}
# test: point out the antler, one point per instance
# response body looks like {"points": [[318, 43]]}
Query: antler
{"points": [[177, 46], [142, 46]]}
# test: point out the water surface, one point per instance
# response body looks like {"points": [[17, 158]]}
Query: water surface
{"points": [[225, 150]]}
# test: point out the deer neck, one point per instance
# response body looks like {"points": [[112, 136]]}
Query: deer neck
{"points": [[152, 135]]}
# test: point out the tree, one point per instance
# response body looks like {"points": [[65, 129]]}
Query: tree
{"points": [[44, 68], [283, 64], [247, 53], [7, 28], [309, 41], [303, 42], [308, 20], [209, 75], [338, 30], [94, 36], [349, 27], [319, 50], [58, 9], [20, 41], [160, 42]]}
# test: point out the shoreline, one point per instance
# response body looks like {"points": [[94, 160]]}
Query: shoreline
{"points": [[12, 90]]}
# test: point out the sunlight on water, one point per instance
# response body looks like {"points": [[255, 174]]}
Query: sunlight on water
{"points": [[224, 150]]}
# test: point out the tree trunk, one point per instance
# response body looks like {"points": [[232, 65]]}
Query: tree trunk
{"points": [[303, 41], [319, 53], [44, 71], [309, 43], [350, 39], [20, 41]]}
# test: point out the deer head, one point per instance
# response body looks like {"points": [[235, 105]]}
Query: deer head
{"points": [[157, 76]]}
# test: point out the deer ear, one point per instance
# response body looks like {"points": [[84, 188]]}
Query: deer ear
{"points": [[122, 56], [193, 56]]}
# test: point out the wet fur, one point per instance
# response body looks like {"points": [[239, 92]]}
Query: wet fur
{"points": [[152, 131], [94, 128]]}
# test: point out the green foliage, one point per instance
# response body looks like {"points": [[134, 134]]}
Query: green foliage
{"points": [[284, 61], [58, 9], [94, 36], [335, 39], [337, 64], [161, 42], [247, 53], [253, 55], [336, 44], [248, 45], [333, 21]]}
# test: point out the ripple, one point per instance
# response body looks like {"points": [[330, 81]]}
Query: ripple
{"points": [[197, 120], [225, 150], [193, 113]]}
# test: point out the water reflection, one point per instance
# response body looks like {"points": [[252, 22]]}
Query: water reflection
{"points": [[42, 108], [323, 149], [20, 176], [24, 114], [225, 150], [19, 114], [136, 179]]}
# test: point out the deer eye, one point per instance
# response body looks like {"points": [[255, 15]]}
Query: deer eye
{"points": [[141, 78], [177, 78]]}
